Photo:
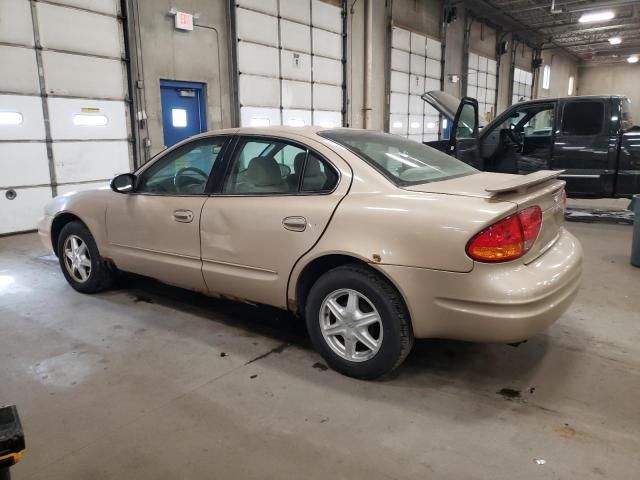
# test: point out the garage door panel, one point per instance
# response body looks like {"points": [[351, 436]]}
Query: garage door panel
{"points": [[266, 6], [416, 105], [110, 7], [327, 97], [22, 213], [326, 16], [296, 118], [400, 61], [84, 161], [417, 64], [327, 119], [257, 27], [399, 103], [399, 82], [398, 124], [296, 94], [418, 44], [24, 120], [434, 49], [24, 70], [78, 119], [327, 44], [259, 117], [295, 36], [23, 164], [84, 32], [295, 66], [434, 68], [19, 29], [416, 85], [401, 39], [101, 78], [327, 70], [257, 59], [296, 10], [259, 91]]}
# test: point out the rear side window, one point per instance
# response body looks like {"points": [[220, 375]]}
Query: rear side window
{"points": [[318, 175], [583, 118]]}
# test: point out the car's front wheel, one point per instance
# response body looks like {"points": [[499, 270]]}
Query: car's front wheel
{"points": [[80, 260], [358, 322]]}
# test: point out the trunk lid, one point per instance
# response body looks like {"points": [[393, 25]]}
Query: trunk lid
{"points": [[541, 188]]}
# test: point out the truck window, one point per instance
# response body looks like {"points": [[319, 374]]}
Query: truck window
{"points": [[626, 122], [583, 118]]}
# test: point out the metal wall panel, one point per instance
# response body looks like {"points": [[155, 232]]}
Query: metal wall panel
{"points": [[83, 76], [23, 163], [31, 123], [19, 29], [24, 70], [67, 119], [22, 213], [83, 32], [82, 162]]}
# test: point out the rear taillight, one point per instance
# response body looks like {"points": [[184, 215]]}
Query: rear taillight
{"points": [[508, 239]]}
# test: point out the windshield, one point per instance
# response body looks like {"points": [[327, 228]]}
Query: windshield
{"points": [[404, 162]]}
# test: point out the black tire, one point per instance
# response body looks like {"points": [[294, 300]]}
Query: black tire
{"points": [[397, 334], [101, 275]]}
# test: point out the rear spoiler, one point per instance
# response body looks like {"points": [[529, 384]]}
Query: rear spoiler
{"points": [[522, 183]]}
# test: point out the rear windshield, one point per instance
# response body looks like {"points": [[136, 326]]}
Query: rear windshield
{"points": [[404, 162]]}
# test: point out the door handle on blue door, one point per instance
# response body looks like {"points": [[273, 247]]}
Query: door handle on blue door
{"points": [[183, 216], [295, 224]]}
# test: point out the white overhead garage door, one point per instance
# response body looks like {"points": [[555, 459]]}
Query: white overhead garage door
{"points": [[522, 85], [416, 68], [289, 69], [482, 84], [63, 115]]}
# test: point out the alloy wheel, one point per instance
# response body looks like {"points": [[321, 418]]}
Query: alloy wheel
{"points": [[77, 259], [351, 325]]}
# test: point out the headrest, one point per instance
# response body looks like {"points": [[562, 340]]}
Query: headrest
{"points": [[298, 162], [263, 172], [313, 168]]}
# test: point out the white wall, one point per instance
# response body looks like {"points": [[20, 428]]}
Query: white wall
{"points": [[622, 79]]}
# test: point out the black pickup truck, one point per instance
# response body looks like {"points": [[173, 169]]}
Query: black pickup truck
{"points": [[591, 138]]}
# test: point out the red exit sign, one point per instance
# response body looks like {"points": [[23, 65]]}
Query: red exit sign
{"points": [[184, 21]]}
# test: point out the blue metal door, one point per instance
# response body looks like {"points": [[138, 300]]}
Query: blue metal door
{"points": [[183, 110]]}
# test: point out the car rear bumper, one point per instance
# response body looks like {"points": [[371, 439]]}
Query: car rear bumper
{"points": [[507, 302]]}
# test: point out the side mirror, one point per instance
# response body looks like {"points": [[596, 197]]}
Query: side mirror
{"points": [[123, 183]]}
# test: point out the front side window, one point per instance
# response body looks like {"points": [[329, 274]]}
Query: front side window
{"points": [[277, 167], [467, 124], [184, 171], [402, 161], [583, 118]]}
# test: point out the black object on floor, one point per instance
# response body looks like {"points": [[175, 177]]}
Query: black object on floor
{"points": [[12, 443]]}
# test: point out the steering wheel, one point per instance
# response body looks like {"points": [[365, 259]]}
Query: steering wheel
{"points": [[514, 137], [179, 173]]}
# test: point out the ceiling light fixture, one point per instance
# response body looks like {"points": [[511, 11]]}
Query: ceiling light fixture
{"points": [[597, 16], [615, 40], [633, 59]]}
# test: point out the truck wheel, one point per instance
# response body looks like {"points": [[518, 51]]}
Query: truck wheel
{"points": [[358, 322], [80, 260]]}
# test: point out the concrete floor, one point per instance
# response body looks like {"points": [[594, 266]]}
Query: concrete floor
{"points": [[150, 382]]}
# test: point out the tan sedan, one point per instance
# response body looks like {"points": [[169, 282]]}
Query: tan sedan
{"points": [[373, 239]]}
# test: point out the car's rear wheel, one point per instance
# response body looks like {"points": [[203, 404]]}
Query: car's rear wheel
{"points": [[80, 260], [358, 322]]}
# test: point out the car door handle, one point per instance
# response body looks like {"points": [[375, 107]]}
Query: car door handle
{"points": [[183, 216], [295, 224]]}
